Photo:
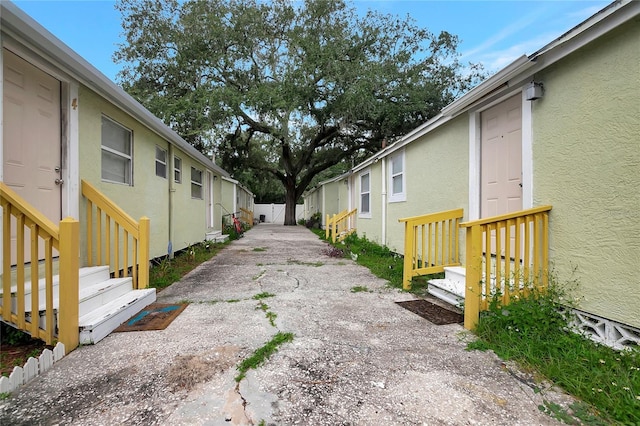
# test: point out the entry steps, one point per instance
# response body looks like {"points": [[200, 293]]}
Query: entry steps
{"points": [[216, 237], [450, 288], [104, 302]]}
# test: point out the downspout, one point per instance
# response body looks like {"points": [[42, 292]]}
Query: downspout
{"points": [[172, 191], [384, 201]]}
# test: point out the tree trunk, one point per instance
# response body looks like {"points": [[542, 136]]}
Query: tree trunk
{"points": [[290, 205]]}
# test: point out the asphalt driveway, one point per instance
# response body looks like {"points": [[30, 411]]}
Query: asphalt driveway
{"points": [[356, 358]]}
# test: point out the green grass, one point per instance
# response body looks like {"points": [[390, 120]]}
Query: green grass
{"points": [[167, 271], [533, 332], [261, 355], [359, 289]]}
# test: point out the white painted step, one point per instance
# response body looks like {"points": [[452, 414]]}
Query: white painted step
{"points": [[88, 277], [96, 325], [447, 290], [216, 237], [100, 294], [455, 273], [450, 288]]}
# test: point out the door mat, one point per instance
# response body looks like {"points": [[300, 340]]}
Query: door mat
{"points": [[156, 316], [432, 312]]}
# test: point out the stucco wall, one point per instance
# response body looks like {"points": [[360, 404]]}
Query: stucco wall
{"points": [[189, 221], [587, 165], [370, 227], [149, 195], [437, 177]]}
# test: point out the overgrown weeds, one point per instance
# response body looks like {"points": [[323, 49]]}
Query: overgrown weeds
{"points": [[166, 271], [535, 331], [262, 354]]}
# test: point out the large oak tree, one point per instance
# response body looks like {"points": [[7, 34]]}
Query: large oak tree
{"points": [[285, 88]]}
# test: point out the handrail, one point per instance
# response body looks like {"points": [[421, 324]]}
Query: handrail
{"points": [[431, 243], [341, 225], [246, 216], [507, 256], [119, 261], [31, 227]]}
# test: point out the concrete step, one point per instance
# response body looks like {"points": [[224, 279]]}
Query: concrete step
{"points": [[100, 294], [455, 273], [97, 324], [216, 237], [450, 291]]}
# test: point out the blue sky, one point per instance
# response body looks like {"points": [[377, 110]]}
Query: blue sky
{"points": [[492, 32]]}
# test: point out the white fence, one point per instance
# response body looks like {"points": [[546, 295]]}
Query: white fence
{"points": [[274, 213], [33, 368]]}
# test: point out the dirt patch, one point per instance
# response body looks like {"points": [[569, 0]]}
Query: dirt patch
{"points": [[12, 355], [189, 370], [432, 312]]}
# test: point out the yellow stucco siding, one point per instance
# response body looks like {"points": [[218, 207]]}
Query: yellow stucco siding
{"points": [[437, 177], [149, 194], [586, 163], [189, 222], [370, 227]]}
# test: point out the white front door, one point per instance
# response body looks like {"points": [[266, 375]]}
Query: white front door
{"points": [[501, 158], [32, 135]]}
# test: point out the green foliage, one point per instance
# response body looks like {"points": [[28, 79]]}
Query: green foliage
{"points": [[359, 289], [381, 261], [13, 336], [534, 331], [263, 295], [314, 221], [261, 355], [166, 271], [288, 89]]}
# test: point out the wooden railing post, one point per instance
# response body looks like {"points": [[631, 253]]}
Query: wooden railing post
{"points": [[407, 271], [326, 228], [143, 268], [473, 285], [68, 332]]}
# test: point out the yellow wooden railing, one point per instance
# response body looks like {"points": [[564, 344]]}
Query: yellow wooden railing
{"points": [[246, 216], [430, 243], [506, 256], [37, 235], [109, 231], [341, 225]]}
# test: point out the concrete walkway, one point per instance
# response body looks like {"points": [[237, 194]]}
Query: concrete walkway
{"points": [[356, 358]]}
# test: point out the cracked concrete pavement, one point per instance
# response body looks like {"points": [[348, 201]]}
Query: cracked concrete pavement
{"points": [[356, 358]]}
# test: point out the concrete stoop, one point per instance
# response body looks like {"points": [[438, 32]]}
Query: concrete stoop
{"points": [[449, 289], [216, 237], [104, 302]]}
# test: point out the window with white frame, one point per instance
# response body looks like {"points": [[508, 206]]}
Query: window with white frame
{"points": [[177, 169], [396, 178], [365, 194], [196, 183], [161, 162], [117, 152]]}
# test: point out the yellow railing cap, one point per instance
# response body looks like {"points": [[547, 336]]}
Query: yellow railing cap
{"points": [[447, 213], [507, 216]]}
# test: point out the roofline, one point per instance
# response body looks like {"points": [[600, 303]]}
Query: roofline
{"points": [[610, 17], [24, 27]]}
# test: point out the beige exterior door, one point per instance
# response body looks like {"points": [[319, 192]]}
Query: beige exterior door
{"points": [[501, 158], [32, 135]]}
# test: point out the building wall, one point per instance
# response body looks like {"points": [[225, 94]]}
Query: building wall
{"points": [[370, 227], [149, 195], [189, 214], [437, 178], [587, 165]]}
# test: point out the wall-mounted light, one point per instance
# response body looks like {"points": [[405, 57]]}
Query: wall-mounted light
{"points": [[215, 177], [533, 91]]}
